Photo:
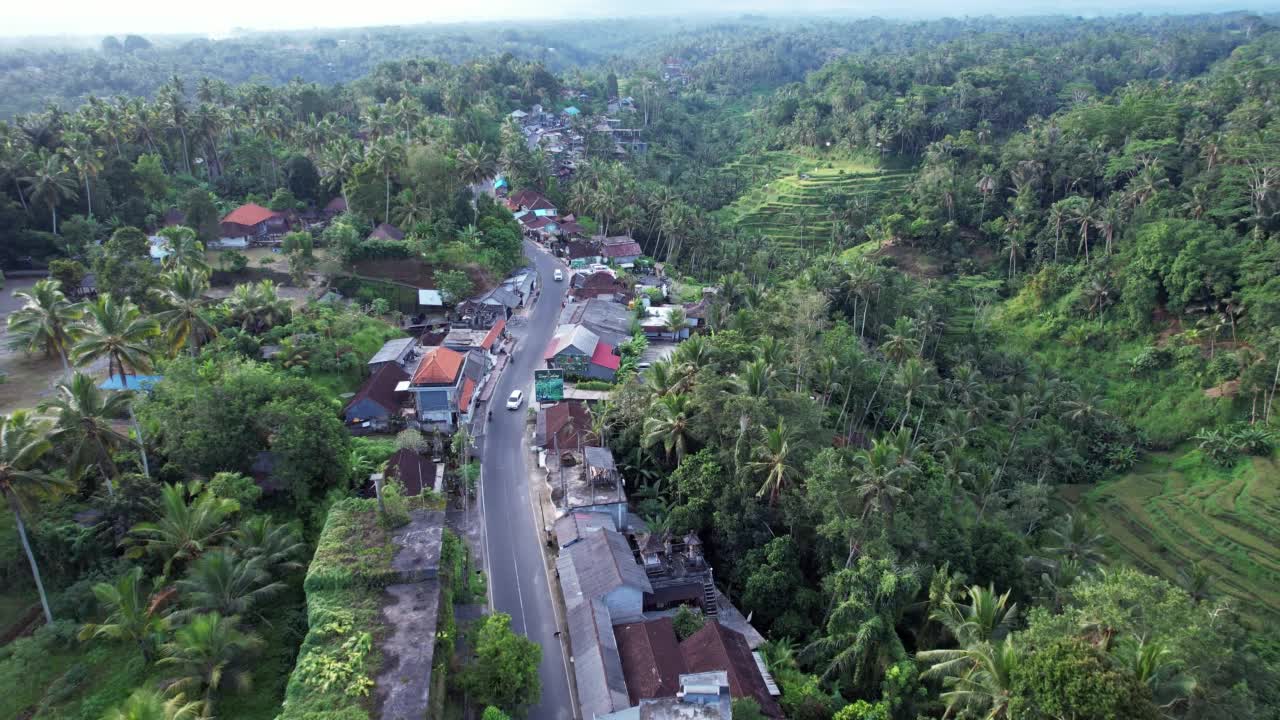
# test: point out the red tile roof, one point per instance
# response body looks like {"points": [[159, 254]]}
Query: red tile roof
{"points": [[565, 424], [464, 400], [604, 357], [716, 647], [249, 215], [651, 659], [440, 366], [494, 332]]}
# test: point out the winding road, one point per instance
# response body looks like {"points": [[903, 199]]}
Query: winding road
{"points": [[518, 580]]}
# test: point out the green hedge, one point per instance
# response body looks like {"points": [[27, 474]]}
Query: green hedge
{"points": [[354, 550]]}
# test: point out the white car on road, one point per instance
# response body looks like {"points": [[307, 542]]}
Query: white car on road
{"points": [[558, 275], [514, 401]]}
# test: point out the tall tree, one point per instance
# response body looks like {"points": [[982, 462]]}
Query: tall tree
{"points": [[186, 320], [24, 441], [50, 182], [85, 416], [118, 332], [46, 321]]}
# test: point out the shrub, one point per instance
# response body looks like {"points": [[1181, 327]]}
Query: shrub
{"points": [[687, 622], [1148, 360]]}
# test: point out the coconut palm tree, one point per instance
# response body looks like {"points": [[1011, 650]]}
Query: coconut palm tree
{"points": [[1077, 540], [46, 321], [775, 459], [278, 546], [186, 321], [184, 529], [676, 322], [980, 677], [185, 248], [671, 425], [1153, 664], [130, 614], [915, 378], [207, 655], [880, 479], [85, 159], [147, 704], [24, 441], [221, 582], [985, 617], [386, 155], [118, 332], [258, 307], [50, 182], [84, 415]]}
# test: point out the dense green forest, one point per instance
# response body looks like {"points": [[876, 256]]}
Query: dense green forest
{"points": [[982, 424]]}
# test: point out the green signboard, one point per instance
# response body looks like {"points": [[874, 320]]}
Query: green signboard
{"points": [[548, 385]]}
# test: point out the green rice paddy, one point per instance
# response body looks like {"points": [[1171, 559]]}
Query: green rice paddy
{"points": [[1176, 509]]}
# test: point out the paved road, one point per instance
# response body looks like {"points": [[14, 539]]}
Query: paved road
{"points": [[518, 581]]}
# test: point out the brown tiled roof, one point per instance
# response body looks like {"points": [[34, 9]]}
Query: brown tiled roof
{"points": [[621, 250], [381, 387], [464, 400], [494, 332], [651, 659], [440, 366], [568, 421], [414, 471], [716, 647]]}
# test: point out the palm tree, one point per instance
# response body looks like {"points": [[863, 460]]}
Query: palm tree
{"points": [[86, 160], [185, 248], [475, 164], [50, 182], [880, 477], [206, 655], [1075, 540], [386, 155], [914, 377], [147, 704], [84, 416], [130, 614], [775, 459], [278, 546], [671, 425], [676, 322], [986, 617], [119, 332], [46, 321], [257, 307], [23, 442], [183, 531], [186, 321], [1153, 664], [980, 677], [221, 582]]}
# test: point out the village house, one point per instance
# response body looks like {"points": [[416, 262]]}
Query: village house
{"points": [[414, 471], [443, 387], [377, 405], [620, 250], [580, 352], [612, 322], [565, 424], [602, 284], [656, 323], [249, 224], [398, 351]]}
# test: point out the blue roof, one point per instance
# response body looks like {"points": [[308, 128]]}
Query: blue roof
{"points": [[130, 382], [571, 110], [499, 182]]}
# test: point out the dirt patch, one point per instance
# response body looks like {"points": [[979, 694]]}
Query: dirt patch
{"points": [[1228, 389], [910, 261]]}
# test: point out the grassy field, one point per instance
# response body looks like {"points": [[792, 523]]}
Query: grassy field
{"points": [[793, 199], [1177, 508]]}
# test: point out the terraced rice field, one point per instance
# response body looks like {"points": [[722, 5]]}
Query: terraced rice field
{"points": [[795, 197], [1177, 509]]}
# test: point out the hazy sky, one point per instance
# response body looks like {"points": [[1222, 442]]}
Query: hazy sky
{"points": [[96, 17]]}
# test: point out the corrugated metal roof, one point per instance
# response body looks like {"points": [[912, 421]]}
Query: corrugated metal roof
{"points": [[604, 562], [602, 686], [392, 350]]}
